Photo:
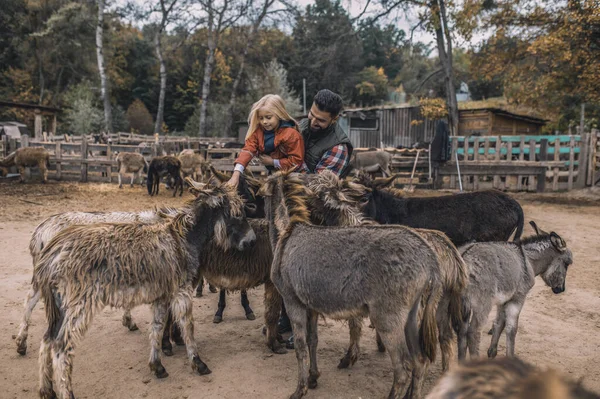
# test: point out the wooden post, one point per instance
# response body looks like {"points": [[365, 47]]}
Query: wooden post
{"points": [[452, 156], [38, 124], [532, 185], [510, 179], [556, 158], [24, 141], [496, 183], [58, 156], [541, 179], [475, 158], [486, 151], [594, 155], [109, 167], [584, 151], [521, 158], [53, 127], [84, 157], [571, 163], [12, 144], [5, 148]]}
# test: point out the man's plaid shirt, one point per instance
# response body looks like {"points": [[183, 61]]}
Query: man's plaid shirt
{"points": [[335, 160]]}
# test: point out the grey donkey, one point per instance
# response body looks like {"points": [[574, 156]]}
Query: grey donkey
{"points": [[383, 272], [502, 273]]}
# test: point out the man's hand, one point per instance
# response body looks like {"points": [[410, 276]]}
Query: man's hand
{"points": [[266, 160]]}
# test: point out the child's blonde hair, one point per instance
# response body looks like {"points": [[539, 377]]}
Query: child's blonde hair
{"points": [[272, 103]]}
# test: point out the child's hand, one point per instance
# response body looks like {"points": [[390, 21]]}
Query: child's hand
{"points": [[234, 180], [266, 160]]}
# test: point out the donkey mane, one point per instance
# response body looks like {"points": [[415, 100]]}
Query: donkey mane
{"points": [[295, 195]]}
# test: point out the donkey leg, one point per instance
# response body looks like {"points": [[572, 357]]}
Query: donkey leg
{"points": [[132, 178], [513, 310], [33, 297], [474, 337], [246, 305], [212, 288], [380, 345], [272, 310], [221, 307], [497, 329], [298, 315], [182, 308], [22, 173], [159, 310], [44, 171], [128, 321], [355, 326], [120, 183], [417, 379], [200, 287], [45, 363], [391, 330], [73, 328], [313, 341]]}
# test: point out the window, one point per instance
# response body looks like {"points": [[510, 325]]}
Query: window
{"points": [[366, 123]]}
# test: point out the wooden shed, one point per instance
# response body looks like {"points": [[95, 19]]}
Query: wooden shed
{"points": [[497, 122], [392, 126]]}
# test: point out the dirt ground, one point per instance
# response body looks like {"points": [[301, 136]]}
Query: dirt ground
{"points": [[558, 331]]}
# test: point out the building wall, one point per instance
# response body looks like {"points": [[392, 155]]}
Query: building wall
{"points": [[485, 122]]}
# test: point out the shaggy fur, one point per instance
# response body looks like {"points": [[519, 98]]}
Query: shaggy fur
{"points": [[192, 164], [162, 165], [479, 216], [506, 378], [28, 157], [87, 267], [131, 162], [377, 276], [46, 230], [502, 274]]}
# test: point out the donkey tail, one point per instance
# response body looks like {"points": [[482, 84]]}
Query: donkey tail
{"points": [[53, 313], [428, 333], [520, 223]]}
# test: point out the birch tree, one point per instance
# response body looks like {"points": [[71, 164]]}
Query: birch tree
{"points": [[104, 83]]}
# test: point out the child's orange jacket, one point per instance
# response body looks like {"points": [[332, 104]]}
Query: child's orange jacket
{"points": [[289, 148]]}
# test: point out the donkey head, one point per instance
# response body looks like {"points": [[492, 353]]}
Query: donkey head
{"points": [[285, 202], [560, 258], [247, 189], [231, 230], [371, 197]]}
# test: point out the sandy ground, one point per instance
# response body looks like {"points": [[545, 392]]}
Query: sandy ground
{"points": [[559, 331]]}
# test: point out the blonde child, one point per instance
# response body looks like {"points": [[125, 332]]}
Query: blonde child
{"points": [[273, 136]]}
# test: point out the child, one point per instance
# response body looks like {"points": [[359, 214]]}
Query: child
{"points": [[273, 136]]}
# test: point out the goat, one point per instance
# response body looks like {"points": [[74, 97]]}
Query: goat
{"points": [[503, 273], [85, 268], [131, 162], [27, 157], [46, 230], [368, 268], [477, 216], [167, 164], [506, 377]]}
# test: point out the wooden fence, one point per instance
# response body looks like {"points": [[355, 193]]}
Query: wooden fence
{"points": [[518, 162], [532, 163]]}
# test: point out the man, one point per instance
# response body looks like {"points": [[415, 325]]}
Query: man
{"points": [[326, 146]]}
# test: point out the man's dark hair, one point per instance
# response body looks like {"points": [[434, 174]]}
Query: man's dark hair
{"points": [[328, 101]]}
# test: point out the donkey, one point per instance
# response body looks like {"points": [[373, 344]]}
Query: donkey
{"points": [[192, 164], [506, 377], [27, 157], [85, 268], [46, 230], [358, 271], [131, 162], [161, 165], [503, 273], [372, 162], [477, 216]]}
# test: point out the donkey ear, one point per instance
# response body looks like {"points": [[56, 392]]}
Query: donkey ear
{"points": [[558, 242], [266, 190], [219, 175], [538, 231], [384, 182]]}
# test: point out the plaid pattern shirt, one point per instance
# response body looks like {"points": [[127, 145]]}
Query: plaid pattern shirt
{"points": [[335, 160]]}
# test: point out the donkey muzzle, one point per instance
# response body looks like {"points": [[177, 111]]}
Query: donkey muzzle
{"points": [[248, 240], [558, 290]]}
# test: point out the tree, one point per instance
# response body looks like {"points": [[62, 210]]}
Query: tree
{"points": [[546, 55], [382, 47], [372, 86], [326, 50], [220, 16], [139, 118], [104, 83]]}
